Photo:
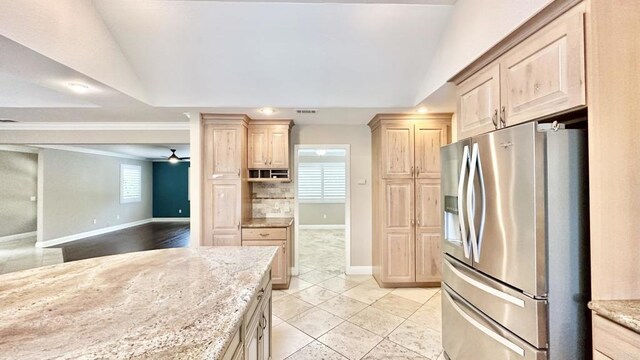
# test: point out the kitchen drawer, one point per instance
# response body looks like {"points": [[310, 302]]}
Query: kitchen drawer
{"points": [[615, 341], [256, 304], [264, 233], [469, 334]]}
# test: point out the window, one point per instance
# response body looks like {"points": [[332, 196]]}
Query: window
{"points": [[321, 182], [130, 183]]}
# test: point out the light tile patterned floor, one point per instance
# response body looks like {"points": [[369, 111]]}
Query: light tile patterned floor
{"points": [[22, 254], [331, 321], [326, 314]]}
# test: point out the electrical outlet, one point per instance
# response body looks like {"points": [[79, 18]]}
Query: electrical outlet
{"points": [[287, 208], [33, 198], [179, 211], [277, 206], [95, 221], [324, 216]]}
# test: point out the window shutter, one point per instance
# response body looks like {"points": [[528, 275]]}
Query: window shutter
{"points": [[130, 183], [321, 182], [333, 184]]}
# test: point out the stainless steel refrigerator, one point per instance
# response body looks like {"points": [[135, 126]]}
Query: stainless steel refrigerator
{"points": [[515, 245]]}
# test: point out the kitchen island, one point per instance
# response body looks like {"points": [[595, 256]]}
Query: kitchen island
{"points": [[189, 303]]}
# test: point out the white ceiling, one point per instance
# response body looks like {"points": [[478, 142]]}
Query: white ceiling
{"points": [[348, 59], [149, 152]]}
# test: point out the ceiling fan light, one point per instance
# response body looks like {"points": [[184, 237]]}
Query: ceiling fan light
{"points": [[173, 159]]}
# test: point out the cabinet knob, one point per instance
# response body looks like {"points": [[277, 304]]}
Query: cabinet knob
{"points": [[284, 247], [413, 222], [269, 162], [266, 162]]}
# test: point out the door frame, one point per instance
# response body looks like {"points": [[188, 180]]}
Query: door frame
{"points": [[347, 202]]}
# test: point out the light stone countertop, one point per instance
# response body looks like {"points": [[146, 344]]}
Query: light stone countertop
{"points": [[160, 304], [622, 312], [268, 222]]}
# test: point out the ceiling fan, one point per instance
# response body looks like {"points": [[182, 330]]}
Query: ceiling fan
{"points": [[174, 159]]}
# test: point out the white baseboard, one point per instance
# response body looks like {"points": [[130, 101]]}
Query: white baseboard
{"points": [[74, 237], [181, 219], [359, 270], [321, 227], [17, 236]]}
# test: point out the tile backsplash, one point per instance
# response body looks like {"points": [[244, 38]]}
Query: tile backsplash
{"points": [[271, 200]]}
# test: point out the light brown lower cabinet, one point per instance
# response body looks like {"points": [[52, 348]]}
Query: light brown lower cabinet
{"points": [[613, 341], [280, 237], [252, 340]]}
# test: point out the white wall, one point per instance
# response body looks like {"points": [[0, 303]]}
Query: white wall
{"points": [[473, 28], [18, 183], [359, 137], [75, 188]]}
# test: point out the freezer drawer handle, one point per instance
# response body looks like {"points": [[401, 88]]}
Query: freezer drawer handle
{"points": [[497, 337], [463, 229], [488, 289]]}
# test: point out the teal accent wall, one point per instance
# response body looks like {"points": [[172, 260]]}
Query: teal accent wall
{"points": [[170, 189]]}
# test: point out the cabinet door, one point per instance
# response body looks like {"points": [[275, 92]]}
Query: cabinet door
{"points": [[258, 147], [280, 266], [398, 253], [429, 137], [223, 151], [545, 73], [222, 213], [279, 147], [397, 150], [428, 224], [252, 352], [479, 103], [266, 331]]}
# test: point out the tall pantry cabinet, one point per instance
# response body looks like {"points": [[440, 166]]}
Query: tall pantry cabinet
{"points": [[226, 190], [406, 197]]}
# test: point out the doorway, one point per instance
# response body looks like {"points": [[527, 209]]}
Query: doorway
{"points": [[322, 240]]}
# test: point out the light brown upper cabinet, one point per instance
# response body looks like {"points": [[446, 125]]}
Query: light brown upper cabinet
{"points": [[258, 147], [279, 147], [268, 155], [429, 137], [479, 103], [397, 144], [223, 151], [542, 75], [545, 74], [406, 197]]}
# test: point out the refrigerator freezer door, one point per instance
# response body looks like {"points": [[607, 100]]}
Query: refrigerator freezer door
{"points": [[522, 315], [512, 249], [467, 334], [454, 160]]}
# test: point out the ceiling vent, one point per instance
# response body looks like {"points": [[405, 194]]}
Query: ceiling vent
{"points": [[307, 111], [7, 121]]}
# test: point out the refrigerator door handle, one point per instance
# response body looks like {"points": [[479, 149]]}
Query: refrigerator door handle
{"points": [[464, 164], [483, 214], [485, 329], [476, 238]]}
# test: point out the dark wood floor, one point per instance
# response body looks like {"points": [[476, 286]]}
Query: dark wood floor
{"points": [[158, 235]]}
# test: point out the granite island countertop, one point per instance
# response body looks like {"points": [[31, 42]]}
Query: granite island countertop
{"points": [[622, 312], [160, 304], [268, 222]]}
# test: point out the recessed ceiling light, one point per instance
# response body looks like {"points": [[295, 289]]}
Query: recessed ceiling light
{"points": [[78, 87], [267, 110], [422, 110]]}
